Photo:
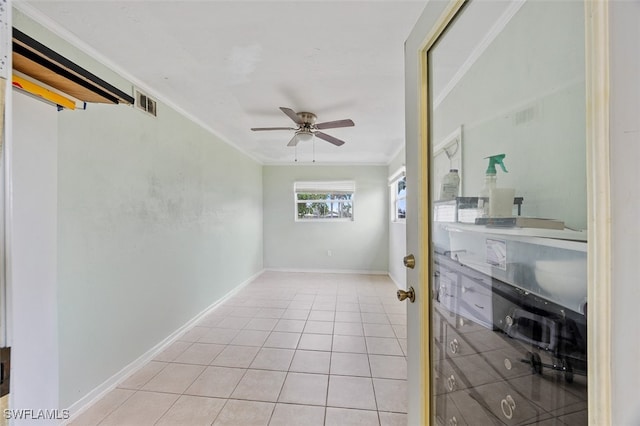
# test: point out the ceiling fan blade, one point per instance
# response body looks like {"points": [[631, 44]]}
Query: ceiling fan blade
{"points": [[259, 129], [330, 139], [291, 114], [335, 124], [294, 141]]}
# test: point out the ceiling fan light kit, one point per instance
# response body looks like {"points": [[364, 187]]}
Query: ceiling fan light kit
{"points": [[308, 128], [303, 136]]}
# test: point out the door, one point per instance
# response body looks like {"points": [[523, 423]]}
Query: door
{"points": [[499, 331], [33, 319], [5, 351]]}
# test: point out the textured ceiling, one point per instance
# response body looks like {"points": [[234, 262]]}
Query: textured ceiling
{"points": [[232, 64]]}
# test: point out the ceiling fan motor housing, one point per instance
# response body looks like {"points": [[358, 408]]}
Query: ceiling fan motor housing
{"points": [[308, 119]]}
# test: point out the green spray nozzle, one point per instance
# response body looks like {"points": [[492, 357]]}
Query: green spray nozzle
{"points": [[493, 160]]}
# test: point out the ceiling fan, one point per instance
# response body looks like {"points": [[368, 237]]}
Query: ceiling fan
{"points": [[308, 128]]}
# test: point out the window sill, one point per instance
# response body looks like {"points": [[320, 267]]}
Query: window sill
{"points": [[340, 220]]}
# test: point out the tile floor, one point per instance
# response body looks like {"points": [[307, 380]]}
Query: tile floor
{"points": [[289, 349]]}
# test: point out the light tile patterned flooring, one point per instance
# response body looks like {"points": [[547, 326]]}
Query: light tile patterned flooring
{"points": [[288, 349]]}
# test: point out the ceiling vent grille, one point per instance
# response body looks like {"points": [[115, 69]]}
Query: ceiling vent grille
{"points": [[145, 103], [526, 115]]}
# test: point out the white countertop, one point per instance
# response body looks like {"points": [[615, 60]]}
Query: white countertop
{"points": [[567, 238]]}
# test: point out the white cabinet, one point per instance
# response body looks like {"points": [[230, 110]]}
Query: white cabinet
{"points": [[503, 354]]}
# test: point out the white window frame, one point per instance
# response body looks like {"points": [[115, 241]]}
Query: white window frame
{"points": [[393, 192], [324, 187]]}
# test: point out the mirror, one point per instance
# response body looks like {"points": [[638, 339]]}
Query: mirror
{"points": [[510, 284]]}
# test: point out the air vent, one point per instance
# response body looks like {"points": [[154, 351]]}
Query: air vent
{"points": [[145, 103], [525, 115]]}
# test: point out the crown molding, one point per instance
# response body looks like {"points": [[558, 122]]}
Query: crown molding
{"points": [[494, 31], [57, 29]]}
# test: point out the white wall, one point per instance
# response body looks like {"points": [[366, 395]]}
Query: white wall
{"points": [[360, 245], [33, 266], [546, 155], [625, 210], [397, 233], [157, 220]]}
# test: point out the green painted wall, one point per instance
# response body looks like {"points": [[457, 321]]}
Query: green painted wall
{"points": [[358, 245], [157, 220]]}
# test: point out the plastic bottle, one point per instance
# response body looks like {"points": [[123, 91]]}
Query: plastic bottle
{"points": [[450, 186], [490, 180]]}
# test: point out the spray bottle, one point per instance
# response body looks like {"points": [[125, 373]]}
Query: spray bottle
{"points": [[489, 187], [450, 185]]}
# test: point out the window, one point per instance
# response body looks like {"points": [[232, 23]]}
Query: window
{"points": [[324, 200], [398, 196]]}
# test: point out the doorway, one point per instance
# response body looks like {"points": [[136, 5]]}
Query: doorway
{"points": [[445, 285]]}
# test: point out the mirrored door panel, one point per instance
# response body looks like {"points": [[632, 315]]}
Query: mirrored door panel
{"points": [[509, 215]]}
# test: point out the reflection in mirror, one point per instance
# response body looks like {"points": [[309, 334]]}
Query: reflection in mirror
{"points": [[509, 293]]}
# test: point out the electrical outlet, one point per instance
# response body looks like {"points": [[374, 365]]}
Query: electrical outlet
{"points": [[329, 253]]}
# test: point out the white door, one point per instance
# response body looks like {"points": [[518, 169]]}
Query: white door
{"points": [[498, 330], [417, 242], [33, 159]]}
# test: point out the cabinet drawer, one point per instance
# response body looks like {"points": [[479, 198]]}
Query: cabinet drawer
{"points": [[473, 413], [447, 290], [467, 372], [459, 409], [552, 395], [461, 324], [446, 412], [508, 362], [509, 406], [475, 301], [455, 344]]}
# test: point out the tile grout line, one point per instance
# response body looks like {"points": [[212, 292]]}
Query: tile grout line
{"points": [[245, 373], [326, 397], [286, 375], [234, 388], [169, 408], [269, 305], [115, 408], [147, 381], [373, 388]]}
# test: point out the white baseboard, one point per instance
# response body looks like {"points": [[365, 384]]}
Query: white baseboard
{"points": [[401, 286], [108, 385], [329, 271]]}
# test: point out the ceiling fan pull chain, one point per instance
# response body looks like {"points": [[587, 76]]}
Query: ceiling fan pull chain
{"points": [[296, 158], [314, 150]]}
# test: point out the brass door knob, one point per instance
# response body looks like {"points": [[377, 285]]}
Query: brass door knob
{"points": [[409, 294], [409, 261]]}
